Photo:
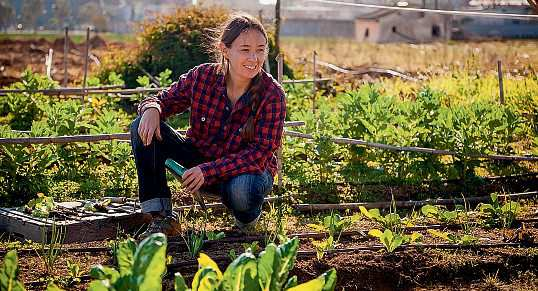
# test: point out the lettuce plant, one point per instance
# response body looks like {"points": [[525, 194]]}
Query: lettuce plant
{"points": [[269, 271], [139, 267], [392, 240], [498, 215], [465, 239], [441, 214], [391, 221]]}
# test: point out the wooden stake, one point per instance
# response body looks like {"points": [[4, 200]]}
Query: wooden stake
{"points": [[86, 51], [48, 63], [314, 85], [500, 73], [66, 51], [280, 72], [277, 27]]}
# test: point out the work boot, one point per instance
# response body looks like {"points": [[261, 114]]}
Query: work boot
{"points": [[247, 228], [167, 225]]}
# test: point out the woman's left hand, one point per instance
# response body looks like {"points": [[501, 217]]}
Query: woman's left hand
{"points": [[193, 179]]}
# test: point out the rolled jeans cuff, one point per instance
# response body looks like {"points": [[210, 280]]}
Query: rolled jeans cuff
{"points": [[161, 205]]}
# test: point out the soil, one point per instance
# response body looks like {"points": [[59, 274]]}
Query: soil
{"points": [[17, 55]]}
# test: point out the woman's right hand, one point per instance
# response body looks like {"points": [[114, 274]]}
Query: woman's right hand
{"points": [[149, 126]]}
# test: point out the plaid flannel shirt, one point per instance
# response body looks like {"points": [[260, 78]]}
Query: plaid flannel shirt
{"points": [[215, 126]]}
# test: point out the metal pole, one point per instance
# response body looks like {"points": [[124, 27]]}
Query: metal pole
{"points": [[280, 71], [501, 91], [66, 50], [86, 52]]}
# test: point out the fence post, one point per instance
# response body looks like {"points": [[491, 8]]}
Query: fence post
{"points": [[86, 52], [314, 86], [66, 51], [501, 90], [280, 72]]}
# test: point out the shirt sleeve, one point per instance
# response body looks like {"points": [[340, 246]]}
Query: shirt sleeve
{"points": [[253, 158], [176, 99]]}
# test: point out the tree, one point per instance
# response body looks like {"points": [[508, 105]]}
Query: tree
{"points": [[6, 14], [31, 10], [92, 13], [61, 12]]}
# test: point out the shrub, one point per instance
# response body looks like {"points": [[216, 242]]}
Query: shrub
{"points": [[177, 42]]}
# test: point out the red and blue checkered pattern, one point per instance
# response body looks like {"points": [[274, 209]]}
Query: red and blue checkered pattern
{"points": [[216, 125]]}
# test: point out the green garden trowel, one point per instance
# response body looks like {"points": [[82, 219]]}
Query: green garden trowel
{"points": [[178, 170]]}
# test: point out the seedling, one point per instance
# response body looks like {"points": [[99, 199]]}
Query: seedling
{"points": [[334, 224], [391, 241], [441, 214], [498, 215], [49, 253], [323, 245], [465, 239], [390, 221]]}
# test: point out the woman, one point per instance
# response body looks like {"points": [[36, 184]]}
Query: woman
{"points": [[237, 113]]}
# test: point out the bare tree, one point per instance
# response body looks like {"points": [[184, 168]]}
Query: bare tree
{"points": [[31, 10], [6, 14]]}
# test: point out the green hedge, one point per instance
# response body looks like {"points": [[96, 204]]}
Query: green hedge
{"points": [[177, 42]]}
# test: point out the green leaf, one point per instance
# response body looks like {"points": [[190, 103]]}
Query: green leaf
{"points": [[429, 210], [511, 207], [100, 272], [101, 285], [179, 283], [205, 279], [375, 233], [325, 282], [125, 256], [150, 262], [205, 261], [9, 272], [439, 234], [241, 274]]}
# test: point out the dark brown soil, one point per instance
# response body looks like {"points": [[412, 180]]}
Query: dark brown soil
{"points": [[17, 55]]}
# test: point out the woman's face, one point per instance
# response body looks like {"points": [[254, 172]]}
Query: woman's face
{"points": [[246, 54]]}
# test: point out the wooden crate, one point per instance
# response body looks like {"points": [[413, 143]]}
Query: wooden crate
{"points": [[79, 225]]}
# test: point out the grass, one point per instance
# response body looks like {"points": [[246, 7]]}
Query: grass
{"points": [[518, 56]]}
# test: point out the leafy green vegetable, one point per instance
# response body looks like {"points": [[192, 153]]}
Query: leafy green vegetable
{"points": [[391, 241], [497, 214], [267, 272], [40, 206], [140, 268], [9, 272]]}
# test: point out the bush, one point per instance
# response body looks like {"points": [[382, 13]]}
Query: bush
{"points": [[177, 41]]}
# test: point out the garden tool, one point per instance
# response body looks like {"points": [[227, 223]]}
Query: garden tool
{"points": [[178, 170]]}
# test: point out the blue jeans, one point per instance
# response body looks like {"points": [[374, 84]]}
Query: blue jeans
{"points": [[242, 194]]}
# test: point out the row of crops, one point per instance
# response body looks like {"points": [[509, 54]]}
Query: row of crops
{"points": [[433, 119]]}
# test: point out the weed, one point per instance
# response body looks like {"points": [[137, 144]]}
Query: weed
{"points": [[50, 252]]}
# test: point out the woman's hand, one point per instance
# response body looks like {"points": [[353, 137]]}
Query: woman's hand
{"points": [[149, 126], [193, 179]]}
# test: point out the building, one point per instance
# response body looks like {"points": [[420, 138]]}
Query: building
{"points": [[384, 26]]}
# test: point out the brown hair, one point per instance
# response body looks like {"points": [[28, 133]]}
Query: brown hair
{"points": [[236, 24]]}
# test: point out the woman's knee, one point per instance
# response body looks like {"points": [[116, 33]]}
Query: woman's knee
{"points": [[246, 192]]}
